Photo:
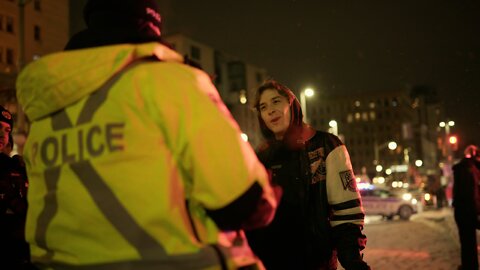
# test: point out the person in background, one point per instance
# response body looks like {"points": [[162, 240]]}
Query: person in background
{"points": [[320, 214], [14, 250], [466, 204], [127, 167]]}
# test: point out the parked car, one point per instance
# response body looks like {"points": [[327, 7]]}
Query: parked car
{"points": [[383, 202]]}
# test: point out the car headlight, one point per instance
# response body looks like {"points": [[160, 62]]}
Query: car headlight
{"points": [[407, 196]]}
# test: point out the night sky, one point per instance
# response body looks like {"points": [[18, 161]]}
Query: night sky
{"points": [[349, 46]]}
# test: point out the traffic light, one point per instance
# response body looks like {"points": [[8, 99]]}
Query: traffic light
{"points": [[453, 142]]}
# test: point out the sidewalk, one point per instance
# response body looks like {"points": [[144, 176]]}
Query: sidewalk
{"points": [[441, 220], [428, 241]]}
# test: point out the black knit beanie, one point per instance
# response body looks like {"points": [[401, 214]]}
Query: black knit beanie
{"points": [[118, 21]]}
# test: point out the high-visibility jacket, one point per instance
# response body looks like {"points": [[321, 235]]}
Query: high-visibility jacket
{"points": [[135, 163]]}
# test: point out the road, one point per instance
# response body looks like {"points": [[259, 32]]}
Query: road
{"points": [[428, 241]]}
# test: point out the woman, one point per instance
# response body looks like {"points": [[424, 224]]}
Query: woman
{"points": [[320, 214]]}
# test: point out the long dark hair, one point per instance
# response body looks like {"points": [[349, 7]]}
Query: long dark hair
{"points": [[296, 120]]}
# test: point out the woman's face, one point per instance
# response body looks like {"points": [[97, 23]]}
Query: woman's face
{"points": [[275, 112]]}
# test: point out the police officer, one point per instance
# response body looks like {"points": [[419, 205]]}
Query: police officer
{"points": [[133, 159], [466, 203], [14, 251]]}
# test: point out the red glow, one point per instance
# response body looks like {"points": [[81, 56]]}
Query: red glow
{"points": [[452, 139]]}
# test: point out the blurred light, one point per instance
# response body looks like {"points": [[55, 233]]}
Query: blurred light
{"points": [[414, 201], [392, 145], [243, 100], [406, 185], [427, 197], [388, 171], [379, 168], [418, 163], [400, 184], [444, 124], [400, 168], [394, 184], [244, 137], [357, 103], [358, 179], [332, 123], [407, 196], [243, 97], [363, 186], [379, 180], [309, 92], [452, 139]]}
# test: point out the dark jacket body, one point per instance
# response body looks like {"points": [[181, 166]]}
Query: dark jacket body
{"points": [[466, 189], [301, 236], [14, 249]]}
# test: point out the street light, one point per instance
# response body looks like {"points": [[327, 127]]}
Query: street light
{"points": [[446, 149], [333, 127], [418, 163], [447, 126], [391, 145], [303, 102]]}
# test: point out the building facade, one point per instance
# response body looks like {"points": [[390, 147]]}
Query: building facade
{"points": [[29, 29], [367, 123], [235, 79]]}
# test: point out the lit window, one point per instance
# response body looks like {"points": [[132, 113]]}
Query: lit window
{"points": [[357, 116], [372, 105], [364, 116], [372, 115], [357, 103]]}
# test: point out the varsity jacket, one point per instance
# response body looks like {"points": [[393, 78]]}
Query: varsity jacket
{"points": [[320, 214]]}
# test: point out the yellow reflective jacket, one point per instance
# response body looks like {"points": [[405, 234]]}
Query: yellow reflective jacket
{"points": [[134, 161]]}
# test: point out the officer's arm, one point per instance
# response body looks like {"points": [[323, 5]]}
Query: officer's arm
{"points": [[227, 178]]}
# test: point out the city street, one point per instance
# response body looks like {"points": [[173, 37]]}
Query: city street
{"points": [[428, 241]]}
